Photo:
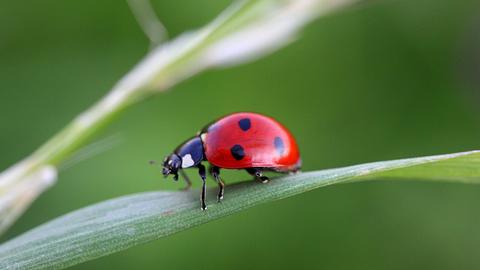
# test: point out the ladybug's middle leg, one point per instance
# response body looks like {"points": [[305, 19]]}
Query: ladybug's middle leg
{"points": [[257, 172], [215, 171], [202, 173]]}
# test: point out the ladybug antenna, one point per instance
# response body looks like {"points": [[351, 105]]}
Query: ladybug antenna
{"points": [[152, 162]]}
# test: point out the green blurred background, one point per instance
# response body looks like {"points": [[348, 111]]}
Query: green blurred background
{"points": [[382, 80]]}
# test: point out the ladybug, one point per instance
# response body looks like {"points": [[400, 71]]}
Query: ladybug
{"points": [[244, 140]]}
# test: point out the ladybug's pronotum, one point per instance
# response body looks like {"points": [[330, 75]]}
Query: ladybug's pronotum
{"points": [[245, 140]]}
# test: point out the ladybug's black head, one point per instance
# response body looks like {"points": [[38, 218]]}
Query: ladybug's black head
{"points": [[171, 164]]}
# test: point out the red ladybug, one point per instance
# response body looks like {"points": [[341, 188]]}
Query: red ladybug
{"points": [[245, 140]]}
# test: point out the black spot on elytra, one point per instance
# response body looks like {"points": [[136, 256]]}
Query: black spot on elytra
{"points": [[279, 145], [245, 124], [237, 152]]}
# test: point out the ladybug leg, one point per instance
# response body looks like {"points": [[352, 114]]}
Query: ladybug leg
{"points": [[296, 171], [215, 171], [261, 177], [202, 173], [257, 172], [187, 180]]}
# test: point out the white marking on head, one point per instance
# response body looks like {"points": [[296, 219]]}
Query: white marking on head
{"points": [[187, 161], [170, 162]]}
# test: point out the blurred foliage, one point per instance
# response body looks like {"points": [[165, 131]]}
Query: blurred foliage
{"points": [[383, 80]]}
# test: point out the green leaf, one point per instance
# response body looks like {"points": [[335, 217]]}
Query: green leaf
{"points": [[120, 223]]}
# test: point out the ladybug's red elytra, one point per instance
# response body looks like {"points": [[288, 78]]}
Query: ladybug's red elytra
{"points": [[244, 140]]}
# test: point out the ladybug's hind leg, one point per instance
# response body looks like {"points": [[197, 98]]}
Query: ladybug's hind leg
{"points": [[215, 171], [258, 173]]}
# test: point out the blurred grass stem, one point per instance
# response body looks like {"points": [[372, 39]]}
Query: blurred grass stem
{"points": [[148, 21]]}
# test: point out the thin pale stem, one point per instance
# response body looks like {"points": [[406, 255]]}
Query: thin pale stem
{"points": [[148, 21]]}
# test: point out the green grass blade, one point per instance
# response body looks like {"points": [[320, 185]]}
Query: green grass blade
{"points": [[120, 223]]}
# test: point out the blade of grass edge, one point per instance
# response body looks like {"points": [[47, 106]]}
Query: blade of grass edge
{"points": [[120, 223]]}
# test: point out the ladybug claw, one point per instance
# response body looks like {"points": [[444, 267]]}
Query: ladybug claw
{"points": [[295, 172], [260, 177]]}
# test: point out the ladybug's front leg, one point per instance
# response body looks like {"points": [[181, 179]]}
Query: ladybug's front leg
{"points": [[187, 181], [202, 173]]}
